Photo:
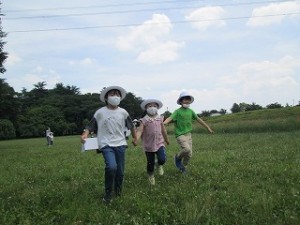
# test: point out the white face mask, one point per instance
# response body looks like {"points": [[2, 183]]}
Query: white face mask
{"points": [[114, 100], [185, 105], [152, 111]]}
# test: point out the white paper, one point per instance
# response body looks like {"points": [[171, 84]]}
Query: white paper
{"points": [[90, 144]]}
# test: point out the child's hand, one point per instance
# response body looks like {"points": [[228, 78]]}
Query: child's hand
{"points": [[134, 142], [211, 131], [167, 141], [82, 138]]}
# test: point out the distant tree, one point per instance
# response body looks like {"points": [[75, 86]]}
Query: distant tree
{"points": [[243, 106], [65, 90], [166, 114], [275, 105], [3, 55], [222, 111], [8, 102], [38, 118], [235, 108], [253, 107], [132, 104], [7, 129], [205, 113]]}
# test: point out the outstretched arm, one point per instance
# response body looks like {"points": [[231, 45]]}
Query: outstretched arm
{"points": [[168, 120], [138, 134], [204, 125], [164, 133]]}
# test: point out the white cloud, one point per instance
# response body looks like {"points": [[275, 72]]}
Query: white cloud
{"points": [[86, 61], [148, 41], [266, 80], [12, 59], [145, 34], [206, 17], [260, 15], [163, 52]]}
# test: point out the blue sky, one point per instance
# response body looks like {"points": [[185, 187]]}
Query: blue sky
{"points": [[222, 52]]}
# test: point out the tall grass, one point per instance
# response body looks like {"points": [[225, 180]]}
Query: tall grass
{"points": [[232, 179]]}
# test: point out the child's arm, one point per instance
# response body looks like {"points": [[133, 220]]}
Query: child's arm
{"points": [[134, 135], [138, 133], [204, 125], [168, 120], [164, 133]]}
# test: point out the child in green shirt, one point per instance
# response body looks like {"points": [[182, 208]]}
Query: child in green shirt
{"points": [[183, 118]]}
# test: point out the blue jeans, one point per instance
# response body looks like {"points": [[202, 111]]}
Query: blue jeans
{"points": [[114, 158], [161, 159]]}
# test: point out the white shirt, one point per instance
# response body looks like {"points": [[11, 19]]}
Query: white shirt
{"points": [[111, 126]]}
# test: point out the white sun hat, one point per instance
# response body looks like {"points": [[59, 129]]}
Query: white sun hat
{"points": [[184, 94], [147, 101], [104, 92]]}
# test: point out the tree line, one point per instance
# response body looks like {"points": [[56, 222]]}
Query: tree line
{"points": [[66, 111]]}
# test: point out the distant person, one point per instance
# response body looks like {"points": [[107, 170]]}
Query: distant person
{"points": [[48, 138], [51, 135], [153, 134], [183, 118], [109, 122]]}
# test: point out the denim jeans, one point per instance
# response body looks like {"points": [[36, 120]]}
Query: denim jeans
{"points": [[114, 158], [161, 159]]}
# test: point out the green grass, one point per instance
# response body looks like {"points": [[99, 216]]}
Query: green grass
{"points": [[243, 178], [265, 120]]}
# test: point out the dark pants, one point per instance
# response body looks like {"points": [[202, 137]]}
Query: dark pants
{"points": [[161, 159], [114, 158]]}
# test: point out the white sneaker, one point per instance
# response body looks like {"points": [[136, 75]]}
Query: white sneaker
{"points": [[160, 170], [152, 179]]}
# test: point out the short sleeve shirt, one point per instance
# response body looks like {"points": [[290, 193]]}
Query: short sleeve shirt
{"points": [[183, 118], [111, 126], [152, 135]]}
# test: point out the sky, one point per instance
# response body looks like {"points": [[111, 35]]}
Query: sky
{"points": [[221, 52]]}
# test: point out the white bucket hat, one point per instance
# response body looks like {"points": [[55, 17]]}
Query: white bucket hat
{"points": [[147, 101], [184, 94], [104, 92]]}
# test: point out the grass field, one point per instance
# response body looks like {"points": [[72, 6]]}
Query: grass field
{"points": [[248, 178]]}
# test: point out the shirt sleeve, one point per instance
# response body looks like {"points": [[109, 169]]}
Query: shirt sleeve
{"points": [[128, 123]]}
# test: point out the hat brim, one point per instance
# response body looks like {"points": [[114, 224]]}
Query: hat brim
{"points": [[178, 100], [146, 102], [104, 92]]}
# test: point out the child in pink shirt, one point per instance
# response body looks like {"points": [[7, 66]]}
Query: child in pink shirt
{"points": [[153, 134]]}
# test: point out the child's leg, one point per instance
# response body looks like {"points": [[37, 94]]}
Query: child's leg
{"points": [[161, 156], [150, 162], [185, 143]]}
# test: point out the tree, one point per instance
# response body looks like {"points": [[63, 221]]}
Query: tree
{"points": [[253, 107], [205, 113], [235, 108], [7, 129], [38, 118], [8, 102], [222, 111], [275, 105], [3, 55]]}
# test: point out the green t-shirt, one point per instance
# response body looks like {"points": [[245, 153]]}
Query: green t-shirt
{"points": [[183, 118]]}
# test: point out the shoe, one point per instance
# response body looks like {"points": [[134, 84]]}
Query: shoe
{"points": [[183, 170], [107, 198], [160, 170], [178, 163], [151, 179]]}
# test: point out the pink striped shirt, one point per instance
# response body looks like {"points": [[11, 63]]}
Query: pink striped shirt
{"points": [[152, 134]]}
